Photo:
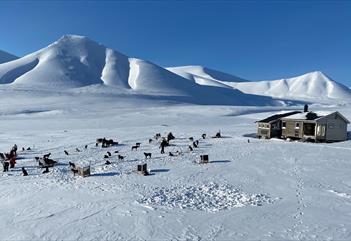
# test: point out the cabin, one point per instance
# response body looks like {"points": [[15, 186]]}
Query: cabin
{"points": [[315, 126], [270, 127]]}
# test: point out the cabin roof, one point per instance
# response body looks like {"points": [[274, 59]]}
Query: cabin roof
{"points": [[313, 115], [278, 116]]}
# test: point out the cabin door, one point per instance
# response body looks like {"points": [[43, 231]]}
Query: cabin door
{"points": [[309, 129]]}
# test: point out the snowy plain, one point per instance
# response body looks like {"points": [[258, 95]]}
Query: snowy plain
{"points": [[265, 189], [66, 95]]}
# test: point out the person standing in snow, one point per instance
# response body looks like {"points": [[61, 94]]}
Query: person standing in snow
{"points": [[13, 162], [14, 149], [6, 166], [163, 144]]}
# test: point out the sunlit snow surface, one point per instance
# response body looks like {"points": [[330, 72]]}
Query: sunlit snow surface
{"points": [[265, 189], [209, 197]]}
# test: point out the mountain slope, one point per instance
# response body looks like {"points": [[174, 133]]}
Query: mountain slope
{"points": [[76, 61], [311, 86], [314, 85], [205, 76], [6, 57]]}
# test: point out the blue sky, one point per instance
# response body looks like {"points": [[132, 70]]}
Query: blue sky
{"points": [[252, 39]]}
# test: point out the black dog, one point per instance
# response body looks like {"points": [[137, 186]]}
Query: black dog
{"points": [[24, 171], [86, 146], [150, 140], [75, 171], [194, 144], [77, 150], [191, 138], [135, 148], [66, 152], [203, 136], [71, 164], [23, 149], [170, 137], [147, 155], [120, 157], [109, 153], [106, 156], [107, 162], [28, 149], [37, 158], [190, 148], [138, 144], [171, 154], [116, 151]]}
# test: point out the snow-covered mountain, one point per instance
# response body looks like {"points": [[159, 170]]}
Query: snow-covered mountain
{"points": [[313, 86], [6, 57], [76, 61], [205, 76]]}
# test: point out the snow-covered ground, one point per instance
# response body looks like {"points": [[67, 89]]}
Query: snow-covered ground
{"points": [[261, 190], [75, 90]]}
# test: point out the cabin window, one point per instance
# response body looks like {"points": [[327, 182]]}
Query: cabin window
{"points": [[283, 125], [263, 126], [297, 125], [321, 130]]}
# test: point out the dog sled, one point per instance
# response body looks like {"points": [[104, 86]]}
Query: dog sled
{"points": [[142, 169], [204, 159]]}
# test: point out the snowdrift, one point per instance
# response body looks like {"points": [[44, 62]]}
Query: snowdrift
{"points": [[78, 62]]}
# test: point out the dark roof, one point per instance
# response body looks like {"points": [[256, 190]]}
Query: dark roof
{"points": [[278, 116]]}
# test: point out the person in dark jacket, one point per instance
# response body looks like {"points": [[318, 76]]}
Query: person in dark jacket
{"points": [[14, 149], [12, 162], [163, 144], [6, 166]]}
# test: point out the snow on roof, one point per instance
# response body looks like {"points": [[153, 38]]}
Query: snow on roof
{"points": [[311, 115]]}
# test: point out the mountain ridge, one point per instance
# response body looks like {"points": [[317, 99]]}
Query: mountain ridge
{"points": [[75, 61], [6, 57], [313, 85]]}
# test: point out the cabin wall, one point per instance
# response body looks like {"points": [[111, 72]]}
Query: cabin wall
{"points": [[336, 127], [290, 129], [263, 130]]}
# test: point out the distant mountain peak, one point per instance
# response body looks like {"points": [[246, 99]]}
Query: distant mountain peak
{"points": [[6, 57], [75, 61]]}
